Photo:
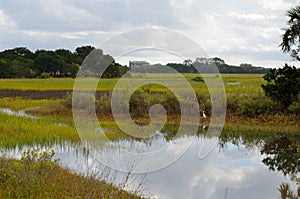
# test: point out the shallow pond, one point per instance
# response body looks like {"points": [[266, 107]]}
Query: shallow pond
{"points": [[230, 166]]}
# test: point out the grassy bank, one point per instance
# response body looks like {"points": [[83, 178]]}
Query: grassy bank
{"points": [[35, 176]]}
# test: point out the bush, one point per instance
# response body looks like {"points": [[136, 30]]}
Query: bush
{"points": [[171, 103], [233, 105], [295, 106], [254, 105], [198, 79], [44, 75], [140, 102], [283, 84]]}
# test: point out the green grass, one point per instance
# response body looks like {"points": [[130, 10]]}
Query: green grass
{"points": [[31, 178], [37, 84], [20, 103], [234, 83], [26, 131]]}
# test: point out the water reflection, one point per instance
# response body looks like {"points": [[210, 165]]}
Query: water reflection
{"points": [[282, 153], [241, 166]]}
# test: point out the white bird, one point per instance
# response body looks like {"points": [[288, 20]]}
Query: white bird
{"points": [[203, 114]]}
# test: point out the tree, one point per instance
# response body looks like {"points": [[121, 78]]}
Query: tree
{"points": [[81, 53], [49, 62], [70, 70], [291, 37], [187, 62], [95, 63], [283, 84], [23, 52], [114, 70], [4, 69], [22, 67], [66, 55]]}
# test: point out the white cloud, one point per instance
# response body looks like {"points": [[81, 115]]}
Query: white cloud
{"points": [[275, 4], [251, 16], [6, 22], [226, 29]]}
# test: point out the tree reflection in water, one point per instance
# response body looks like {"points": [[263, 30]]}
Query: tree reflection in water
{"points": [[283, 154], [287, 193]]}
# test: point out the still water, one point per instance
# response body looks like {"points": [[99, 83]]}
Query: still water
{"points": [[233, 167]]}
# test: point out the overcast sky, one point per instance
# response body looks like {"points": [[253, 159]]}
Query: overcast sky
{"points": [[238, 31]]}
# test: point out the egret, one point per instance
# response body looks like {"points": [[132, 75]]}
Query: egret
{"points": [[203, 114]]}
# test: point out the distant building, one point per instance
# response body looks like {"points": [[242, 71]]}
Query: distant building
{"points": [[134, 64], [246, 65]]}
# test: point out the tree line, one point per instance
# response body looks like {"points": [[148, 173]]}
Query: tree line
{"points": [[20, 62], [205, 66]]}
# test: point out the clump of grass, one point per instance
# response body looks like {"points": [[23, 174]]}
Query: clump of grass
{"points": [[37, 176], [18, 103], [198, 79], [26, 131]]}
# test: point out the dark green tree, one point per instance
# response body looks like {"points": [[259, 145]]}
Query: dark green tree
{"points": [[81, 53], [95, 63], [4, 69], [22, 67], [66, 55], [114, 70], [23, 52], [49, 62], [283, 84], [70, 70], [291, 37]]}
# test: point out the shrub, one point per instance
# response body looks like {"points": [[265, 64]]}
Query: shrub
{"points": [[170, 103], [255, 105], [295, 106], [198, 79], [140, 102], [44, 75], [233, 103], [283, 84]]}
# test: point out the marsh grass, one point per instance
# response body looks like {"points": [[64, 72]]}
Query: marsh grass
{"points": [[234, 83], [18, 103], [270, 123], [36, 175], [26, 131], [245, 112]]}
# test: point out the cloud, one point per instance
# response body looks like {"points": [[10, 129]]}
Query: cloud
{"points": [[236, 168], [276, 4], [6, 22], [104, 15], [223, 28]]}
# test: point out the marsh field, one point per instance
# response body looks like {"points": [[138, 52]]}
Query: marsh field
{"points": [[258, 152]]}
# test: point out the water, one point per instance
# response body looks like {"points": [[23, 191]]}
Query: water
{"points": [[20, 113], [238, 167]]}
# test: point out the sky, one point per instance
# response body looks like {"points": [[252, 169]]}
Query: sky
{"points": [[238, 31]]}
